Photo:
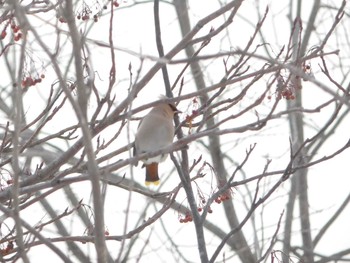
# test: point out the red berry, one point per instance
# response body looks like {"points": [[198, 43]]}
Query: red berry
{"points": [[224, 198], [106, 233], [28, 81], [18, 37], [199, 209], [3, 34], [42, 76]]}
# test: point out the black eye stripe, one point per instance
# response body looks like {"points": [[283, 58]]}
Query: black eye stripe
{"points": [[172, 107]]}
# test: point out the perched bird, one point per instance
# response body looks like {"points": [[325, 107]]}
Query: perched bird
{"points": [[155, 131]]}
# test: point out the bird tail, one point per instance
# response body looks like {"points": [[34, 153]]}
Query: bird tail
{"points": [[152, 174]]}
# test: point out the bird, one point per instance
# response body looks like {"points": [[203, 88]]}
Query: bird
{"points": [[155, 131]]}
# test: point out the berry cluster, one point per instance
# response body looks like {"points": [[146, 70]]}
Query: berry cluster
{"points": [[7, 249], [222, 198], [287, 89], [86, 13], [284, 90], [200, 209], [287, 94], [187, 218], [189, 118], [92, 11], [188, 215], [87, 17], [194, 112], [15, 29], [29, 81]]}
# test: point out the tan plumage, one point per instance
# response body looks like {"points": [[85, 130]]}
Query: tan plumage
{"points": [[156, 131]]}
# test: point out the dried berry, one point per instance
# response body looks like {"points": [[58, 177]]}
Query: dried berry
{"points": [[3, 34]]}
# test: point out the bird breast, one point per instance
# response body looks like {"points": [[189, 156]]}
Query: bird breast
{"points": [[154, 134]]}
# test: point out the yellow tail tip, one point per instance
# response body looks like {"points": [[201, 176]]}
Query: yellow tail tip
{"points": [[148, 183]]}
